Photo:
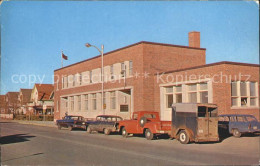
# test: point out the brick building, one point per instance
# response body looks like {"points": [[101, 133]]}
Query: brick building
{"points": [[134, 81]]}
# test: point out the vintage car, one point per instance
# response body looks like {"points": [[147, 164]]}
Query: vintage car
{"points": [[147, 123], [104, 123], [237, 124], [71, 121]]}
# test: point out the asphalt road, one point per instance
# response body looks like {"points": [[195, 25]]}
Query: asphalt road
{"points": [[35, 145]]}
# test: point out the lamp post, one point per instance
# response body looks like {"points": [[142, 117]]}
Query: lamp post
{"points": [[102, 72]]}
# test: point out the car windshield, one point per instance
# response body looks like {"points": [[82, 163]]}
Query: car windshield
{"points": [[75, 117], [250, 118]]}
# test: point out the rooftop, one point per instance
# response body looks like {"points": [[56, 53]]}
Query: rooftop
{"points": [[141, 42]]}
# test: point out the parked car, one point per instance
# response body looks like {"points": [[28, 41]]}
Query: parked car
{"points": [[238, 124], [104, 123], [71, 122]]}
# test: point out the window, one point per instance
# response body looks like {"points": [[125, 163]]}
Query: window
{"points": [[73, 80], [123, 69], [178, 94], [80, 79], [72, 103], [85, 102], [79, 103], [130, 68], [57, 106], [169, 96], [192, 88], [63, 82], [113, 100], [244, 94], [112, 72], [67, 82], [94, 101], [253, 93], [90, 76]]}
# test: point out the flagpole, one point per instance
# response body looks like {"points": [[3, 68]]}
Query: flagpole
{"points": [[61, 59]]}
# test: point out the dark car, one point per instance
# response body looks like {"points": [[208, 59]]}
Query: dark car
{"points": [[238, 124], [104, 123], [71, 122]]}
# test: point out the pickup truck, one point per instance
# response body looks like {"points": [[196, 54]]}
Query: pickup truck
{"points": [[145, 122], [72, 122]]}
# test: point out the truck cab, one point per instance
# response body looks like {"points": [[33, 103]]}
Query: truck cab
{"points": [[194, 122]]}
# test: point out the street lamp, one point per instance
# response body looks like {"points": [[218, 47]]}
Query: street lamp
{"points": [[102, 72]]}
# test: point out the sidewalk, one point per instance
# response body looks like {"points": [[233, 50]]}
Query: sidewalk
{"points": [[38, 123]]}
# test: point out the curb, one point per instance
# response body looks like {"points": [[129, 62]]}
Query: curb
{"points": [[36, 124]]}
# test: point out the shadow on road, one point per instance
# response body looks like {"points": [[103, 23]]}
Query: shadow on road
{"points": [[10, 139], [36, 154]]}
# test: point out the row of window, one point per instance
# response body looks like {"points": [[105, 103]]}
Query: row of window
{"points": [[94, 76], [90, 101], [244, 94], [192, 93]]}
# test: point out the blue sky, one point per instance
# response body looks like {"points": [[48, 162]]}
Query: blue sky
{"points": [[34, 33]]}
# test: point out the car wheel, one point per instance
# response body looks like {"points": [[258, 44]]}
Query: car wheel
{"points": [[184, 137], [107, 131], [70, 128], [124, 132], [89, 130], [236, 133], [142, 121], [148, 134]]}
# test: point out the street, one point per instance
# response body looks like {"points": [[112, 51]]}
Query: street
{"points": [[36, 145]]}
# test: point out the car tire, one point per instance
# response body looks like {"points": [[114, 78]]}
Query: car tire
{"points": [[236, 133], [59, 127], [142, 121], [106, 131], [89, 130], [148, 134], [124, 132], [70, 128], [184, 137]]}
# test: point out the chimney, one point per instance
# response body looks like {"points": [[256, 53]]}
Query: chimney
{"points": [[194, 39]]}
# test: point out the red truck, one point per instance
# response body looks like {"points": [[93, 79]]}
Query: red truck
{"points": [[145, 122]]}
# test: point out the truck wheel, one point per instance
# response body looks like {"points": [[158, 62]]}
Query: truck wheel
{"points": [[142, 121], [148, 134], [124, 132], [89, 130], [184, 137], [107, 131], [236, 133], [70, 128]]}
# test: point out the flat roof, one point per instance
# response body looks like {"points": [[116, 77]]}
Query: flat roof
{"points": [[141, 42], [212, 64]]}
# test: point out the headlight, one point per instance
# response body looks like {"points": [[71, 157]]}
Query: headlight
{"points": [[83, 123]]}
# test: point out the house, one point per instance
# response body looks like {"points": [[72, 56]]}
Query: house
{"points": [[11, 101], [23, 99], [2, 104], [41, 101], [151, 76]]}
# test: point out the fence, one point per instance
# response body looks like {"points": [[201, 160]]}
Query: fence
{"points": [[34, 117], [6, 116]]}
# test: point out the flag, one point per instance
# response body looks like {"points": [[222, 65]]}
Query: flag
{"points": [[64, 57]]}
